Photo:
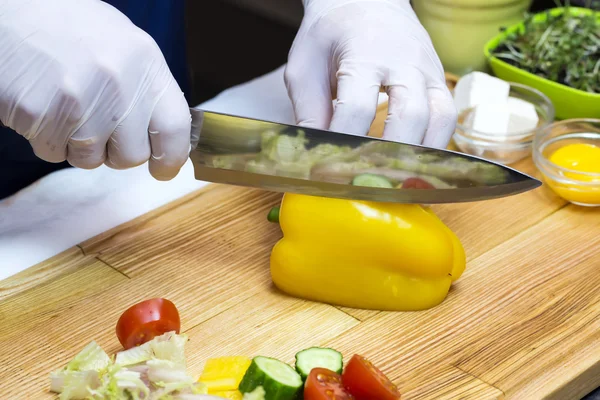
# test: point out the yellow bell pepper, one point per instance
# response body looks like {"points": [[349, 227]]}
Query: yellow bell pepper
{"points": [[232, 395], [360, 254], [224, 374]]}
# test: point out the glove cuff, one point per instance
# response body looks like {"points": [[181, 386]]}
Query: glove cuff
{"points": [[331, 4], [313, 9]]}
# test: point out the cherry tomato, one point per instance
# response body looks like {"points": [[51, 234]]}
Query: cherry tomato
{"points": [[146, 320], [366, 382], [416, 183], [324, 384]]}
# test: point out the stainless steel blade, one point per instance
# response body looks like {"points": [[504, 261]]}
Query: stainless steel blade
{"points": [[285, 158]]}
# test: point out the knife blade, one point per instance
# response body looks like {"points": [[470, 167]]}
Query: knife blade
{"points": [[278, 157]]}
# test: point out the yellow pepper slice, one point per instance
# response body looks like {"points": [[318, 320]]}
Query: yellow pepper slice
{"points": [[360, 254], [231, 394], [224, 374]]}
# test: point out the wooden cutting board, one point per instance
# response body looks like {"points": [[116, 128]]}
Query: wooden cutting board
{"points": [[522, 323]]}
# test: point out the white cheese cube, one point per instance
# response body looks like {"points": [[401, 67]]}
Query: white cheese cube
{"points": [[491, 118], [478, 88], [513, 116], [523, 116]]}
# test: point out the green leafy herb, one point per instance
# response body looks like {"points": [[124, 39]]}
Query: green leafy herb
{"points": [[563, 48]]}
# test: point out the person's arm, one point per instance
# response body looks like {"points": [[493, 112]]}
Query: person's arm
{"points": [[82, 83], [349, 49]]}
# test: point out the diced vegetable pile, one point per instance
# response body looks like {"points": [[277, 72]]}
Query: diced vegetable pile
{"points": [[153, 367], [318, 374], [154, 370]]}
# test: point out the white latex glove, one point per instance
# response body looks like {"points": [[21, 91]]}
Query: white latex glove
{"points": [[82, 83], [354, 47]]}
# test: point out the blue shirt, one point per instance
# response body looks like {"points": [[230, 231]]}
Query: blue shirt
{"points": [[164, 20]]}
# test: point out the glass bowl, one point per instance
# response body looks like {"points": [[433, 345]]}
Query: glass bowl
{"points": [[505, 148], [580, 188]]}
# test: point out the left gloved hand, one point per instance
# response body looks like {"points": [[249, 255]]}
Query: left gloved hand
{"points": [[348, 50]]}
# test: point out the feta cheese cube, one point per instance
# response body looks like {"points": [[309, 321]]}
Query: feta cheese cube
{"points": [[512, 116], [523, 115], [491, 118], [478, 88]]}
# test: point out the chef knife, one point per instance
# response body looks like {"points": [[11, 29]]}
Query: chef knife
{"points": [[278, 157]]}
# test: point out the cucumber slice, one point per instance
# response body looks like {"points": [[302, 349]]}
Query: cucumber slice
{"points": [[318, 357], [372, 180], [278, 379]]}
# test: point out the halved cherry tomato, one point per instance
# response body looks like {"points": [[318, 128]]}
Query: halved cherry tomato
{"points": [[324, 384], [366, 382], [146, 320], [416, 183]]}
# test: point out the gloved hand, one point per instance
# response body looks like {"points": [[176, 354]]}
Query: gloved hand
{"points": [[81, 82], [348, 49]]}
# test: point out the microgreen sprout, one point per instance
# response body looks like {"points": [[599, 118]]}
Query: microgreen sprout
{"points": [[563, 48]]}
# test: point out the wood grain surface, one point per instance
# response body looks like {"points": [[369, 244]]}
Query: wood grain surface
{"points": [[522, 323]]}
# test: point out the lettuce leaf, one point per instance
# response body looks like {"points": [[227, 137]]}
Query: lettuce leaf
{"points": [[169, 346], [91, 358], [121, 383], [155, 370], [81, 374]]}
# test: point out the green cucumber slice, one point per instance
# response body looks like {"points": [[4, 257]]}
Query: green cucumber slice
{"points": [[279, 380], [318, 357], [372, 180]]}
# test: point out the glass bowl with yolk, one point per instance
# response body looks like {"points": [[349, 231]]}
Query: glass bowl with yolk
{"points": [[567, 153]]}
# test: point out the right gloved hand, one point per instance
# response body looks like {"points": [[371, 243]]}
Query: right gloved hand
{"points": [[348, 50], [82, 83]]}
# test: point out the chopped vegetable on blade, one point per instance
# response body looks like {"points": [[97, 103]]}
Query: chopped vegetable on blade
{"points": [[292, 156], [372, 180]]}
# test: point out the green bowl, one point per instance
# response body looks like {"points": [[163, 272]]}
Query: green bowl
{"points": [[568, 102]]}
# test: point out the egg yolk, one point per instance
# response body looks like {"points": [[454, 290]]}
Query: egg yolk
{"points": [[580, 158]]}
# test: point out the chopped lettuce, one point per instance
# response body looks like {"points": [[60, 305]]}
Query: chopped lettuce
{"points": [[81, 374], [74, 385], [163, 372], [289, 169], [121, 383], [155, 370], [327, 150], [283, 148], [169, 346], [92, 357], [286, 155]]}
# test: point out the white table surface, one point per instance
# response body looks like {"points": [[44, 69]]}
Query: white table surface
{"points": [[73, 205]]}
